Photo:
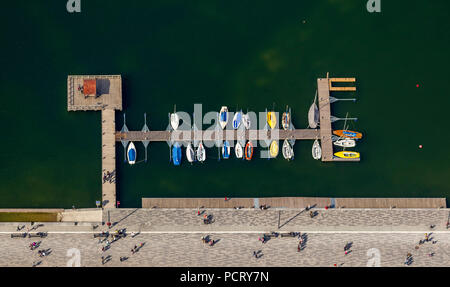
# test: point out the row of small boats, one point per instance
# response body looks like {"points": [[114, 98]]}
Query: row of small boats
{"points": [[341, 138], [240, 118], [199, 153]]}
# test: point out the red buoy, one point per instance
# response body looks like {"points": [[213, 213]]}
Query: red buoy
{"points": [[420, 146], [417, 85]]}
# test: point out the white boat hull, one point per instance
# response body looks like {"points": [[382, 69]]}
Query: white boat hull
{"points": [[246, 121], [345, 143], [238, 150], [316, 150], [190, 154], [130, 148], [288, 151], [313, 116], [201, 152], [223, 122], [174, 121], [237, 120]]}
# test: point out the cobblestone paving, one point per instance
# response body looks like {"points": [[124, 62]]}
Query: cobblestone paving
{"points": [[290, 219], [233, 249], [172, 238]]}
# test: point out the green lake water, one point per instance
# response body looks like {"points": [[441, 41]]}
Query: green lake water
{"points": [[248, 54]]}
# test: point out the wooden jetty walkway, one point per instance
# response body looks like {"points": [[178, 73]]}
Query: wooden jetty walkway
{"points": [[294, 202], [100, 93], [210, 135], [324, 86]]}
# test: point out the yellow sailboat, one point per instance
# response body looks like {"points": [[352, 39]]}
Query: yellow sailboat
{"points": [[271, 119], [274, 149], [347, 154]]}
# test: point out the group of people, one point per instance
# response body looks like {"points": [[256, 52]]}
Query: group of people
{"points": [[109, 176], [208, 240], [34, 245]]}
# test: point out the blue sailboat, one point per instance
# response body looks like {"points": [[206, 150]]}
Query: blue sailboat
{"points": [[131, 153], [237, 120], [176, 154], [226, 150]]}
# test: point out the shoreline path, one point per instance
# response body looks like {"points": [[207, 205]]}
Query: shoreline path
{"points": [[172, 237]]}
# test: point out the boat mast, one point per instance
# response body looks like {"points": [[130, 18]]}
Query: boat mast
{"points": [[145, 129], [124, 142]]}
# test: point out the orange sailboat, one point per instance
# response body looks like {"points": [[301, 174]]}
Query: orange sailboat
{"points": [[248, 150], [348, 134]]}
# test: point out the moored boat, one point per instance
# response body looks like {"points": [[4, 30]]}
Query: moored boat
{"points": [[176, 154], [237, 120], [347, 154], [271, 119], [288, 151], [226, 150], [345, 143], [238, 150], [246, 121], [248, 150], [313, 114], [286, 119], [274, 149], [348, 134], [131, 153], [201, 152], [223, 117], [316, 150], [174, 119], [190, 154]]}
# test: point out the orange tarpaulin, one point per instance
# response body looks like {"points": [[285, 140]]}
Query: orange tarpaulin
{"points": [[89, 87]]}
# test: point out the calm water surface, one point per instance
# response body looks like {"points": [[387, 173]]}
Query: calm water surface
{"points": [[234, 53]]}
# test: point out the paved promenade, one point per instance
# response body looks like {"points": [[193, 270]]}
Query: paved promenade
{"points": [[416, 220], [178, 249], [173, 238]]}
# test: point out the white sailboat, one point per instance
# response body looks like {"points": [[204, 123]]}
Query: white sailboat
{"points": [[201, 152], [313, 114], [316, 150], [190, 154], [238, 150], [288, 151], [237, 120], [246, 121], [131, 153], [174, 119], [345, 142], [223, 117]]}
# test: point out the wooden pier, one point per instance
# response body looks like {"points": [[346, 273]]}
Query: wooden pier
{"points": [[324, 86], [100, 93], [294, 202], [210, 135], [104, 93]]}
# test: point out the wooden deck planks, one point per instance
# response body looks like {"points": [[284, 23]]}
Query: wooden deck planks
{"points": [[391, 202], [108, 157], [76, 101], [325, 120], [294, 202], [300, 134]]}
